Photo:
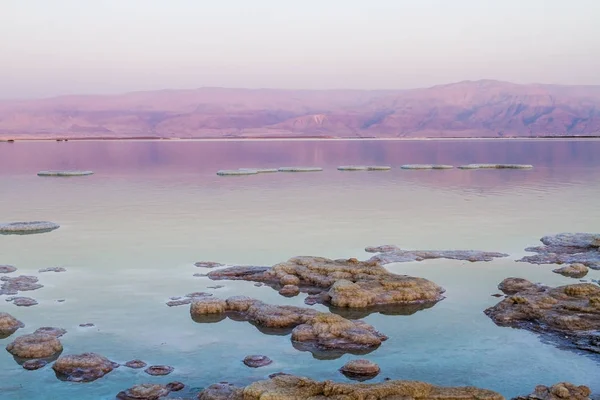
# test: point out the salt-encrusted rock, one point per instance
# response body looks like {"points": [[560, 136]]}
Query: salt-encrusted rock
{"points": [[289, 291], [39, 345], [496, 166], [392, 254], [48, 330], [300, 169], [159, 370], [573, 271], [145, 391], [426, 166], [26, 228], [514, 285], [222, 391], [53, 269], [65, 173], [7, 269], [21, 301], [236, 172], [86, 367], [21, 283], [567, 248], [257, 361], [560, 391], [360, 370], [568, 315], [135, 364], [8, 325]]}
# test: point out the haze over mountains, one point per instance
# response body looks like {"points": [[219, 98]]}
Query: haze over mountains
{"points": [[483, 108]]}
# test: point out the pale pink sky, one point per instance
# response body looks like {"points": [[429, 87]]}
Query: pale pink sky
{"points": [[106, 46]]}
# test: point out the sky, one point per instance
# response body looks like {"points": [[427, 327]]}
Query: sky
{"points": [[56, 47]]}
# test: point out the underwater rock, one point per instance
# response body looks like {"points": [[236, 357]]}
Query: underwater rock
{"points": [[567, 248], [21, 283], [392, 254], [496, 166], [7, 269], [159, 370], [569, 315], [426, 166], [180, 301], [215, 287], [32, 365], [364, 168], [48, 330], [21, 301], [289, 291], [135, 364], [86, 325], [39, 345], [300, 169], [360, 370], [289, 387], [86, 367], [256, 361], [311, 330], [9, 325], [342, 283], [65, 173], [236, 172], [27, 228], [573, 271], [560, 391], [208, 264], [53, 269]]}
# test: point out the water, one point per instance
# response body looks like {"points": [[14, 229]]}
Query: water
{"points": [[130, 234]]}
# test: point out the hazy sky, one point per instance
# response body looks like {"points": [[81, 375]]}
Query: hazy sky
{"points": [[50, 47]]}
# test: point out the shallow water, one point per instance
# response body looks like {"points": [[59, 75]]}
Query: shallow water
{"points": [[131, 233]]}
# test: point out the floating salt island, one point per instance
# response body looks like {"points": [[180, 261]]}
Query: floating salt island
{"points": [[426, 166], [236, 172], [496, 166], [300, 169], [364, 168], [260, 170], [27, 228], [65, 173]]}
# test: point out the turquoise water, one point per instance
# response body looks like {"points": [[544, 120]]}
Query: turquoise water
{"points": [[131, 233]]}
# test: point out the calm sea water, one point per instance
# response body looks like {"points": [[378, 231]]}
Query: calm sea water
{"points": [[130, 234]]}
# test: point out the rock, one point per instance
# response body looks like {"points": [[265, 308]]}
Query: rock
{"points": [[179, 301], [426, 166], [175, 386], [135, 364], [27, 228], [56, 332], [35, 346], [573, 271], [86, 325], [392, 254], [343, 284], [560, 391], [364, 168], [32, 365], [568, 315], [236, 172], [258, 284], [208, 264], [53, 269], [289, 291], [514, 285], [60, 300], [360, 370], [8, 325], [86, 367], [496, 166], [20, 301], [145, 391], [312, 331], [256, 361], [65, 173], [7, 269], [21, 283], [567, 248], [497, 295], [159, 370], [289, 387]]}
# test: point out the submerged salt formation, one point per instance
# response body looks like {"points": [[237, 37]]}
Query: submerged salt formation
{"points": [[159, 370], [32, 365], [342, 284], [260, 170], [21, 301], [560, 391], [311, 330], [496, 166], [135, 364], [364, 168], [426, 166], [187, 299], [52, 269], [289, 387], [7, 269], [36, 345], [566, 314], [392, 254], [21, 283], [567, 248], [27, 228], [65, 173], [360, 370], [573, 271], [236, 172], [8, 325], [49, 330], [257, 361], [300, 169], [86, 367]]}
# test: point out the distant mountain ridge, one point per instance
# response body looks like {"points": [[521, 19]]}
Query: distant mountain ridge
{"points": [[484, 108]]}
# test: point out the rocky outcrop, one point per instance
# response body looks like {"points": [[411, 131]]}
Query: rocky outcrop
{"points": [[8, 325], [86, 367], [560, 391], [37, 345], [569, 315], [323, 334], [567, 248], [392, 254], [27, 228], [573, 271], [289, 387], [21, 283], [360, 370], [342, 284]]}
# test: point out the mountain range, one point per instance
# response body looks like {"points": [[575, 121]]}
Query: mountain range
{"points": [[484, 108]]}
